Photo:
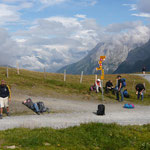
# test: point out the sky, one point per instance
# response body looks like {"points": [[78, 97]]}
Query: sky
{"points": [[50, 34]]}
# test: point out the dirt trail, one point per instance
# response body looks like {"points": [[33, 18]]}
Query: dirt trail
{"points": [[72, 113]]}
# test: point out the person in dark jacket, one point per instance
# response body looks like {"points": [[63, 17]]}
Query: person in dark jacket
{"points": [[109, 87], [140, 90], [120, 88], [5, 97]]}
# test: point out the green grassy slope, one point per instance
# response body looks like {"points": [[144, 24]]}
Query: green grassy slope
{"points": [[35, 83], [92, 136]]}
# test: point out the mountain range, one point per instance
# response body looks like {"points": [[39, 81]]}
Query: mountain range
{"points": [[116, 53], [136, 60]]}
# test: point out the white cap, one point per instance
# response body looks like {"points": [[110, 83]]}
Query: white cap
{"points": [[98, 80]]}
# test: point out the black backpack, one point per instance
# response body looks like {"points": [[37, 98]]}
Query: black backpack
{"points": [[42, 107], [101, 109]]}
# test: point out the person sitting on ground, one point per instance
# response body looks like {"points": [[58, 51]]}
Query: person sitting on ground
{"points": [[98, 85], [5, 98], [109, 86], [140, 90]]}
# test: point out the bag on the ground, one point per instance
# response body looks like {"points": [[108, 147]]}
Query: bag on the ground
{"points": [[101, 109], [126, 94], [92, 88], [129, 106], [123, 80], [42, 107], [28, 102]]}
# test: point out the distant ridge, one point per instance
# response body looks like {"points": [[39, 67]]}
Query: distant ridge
{"points": [[136, 60]]}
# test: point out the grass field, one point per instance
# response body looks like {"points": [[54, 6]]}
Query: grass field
{"points": [[92, 136], [34, 83]]}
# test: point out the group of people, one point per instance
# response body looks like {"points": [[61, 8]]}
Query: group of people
{"points": [[118, 90], [5, 93]]}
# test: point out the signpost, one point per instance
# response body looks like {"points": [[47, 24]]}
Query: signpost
{"points": [[102, 58]]}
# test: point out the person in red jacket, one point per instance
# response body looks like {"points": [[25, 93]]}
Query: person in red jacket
{"points": [[98, 85]]}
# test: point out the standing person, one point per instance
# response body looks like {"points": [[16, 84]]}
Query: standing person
{"points": [[143, 70], [5, 97], [120, 88], [98, 85], [140, 90]]}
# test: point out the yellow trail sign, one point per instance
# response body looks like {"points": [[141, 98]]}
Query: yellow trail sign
{"points": [[102, 75]]}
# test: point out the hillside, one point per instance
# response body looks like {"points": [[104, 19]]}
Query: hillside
{"points": [[136, 60], [51, 84]]}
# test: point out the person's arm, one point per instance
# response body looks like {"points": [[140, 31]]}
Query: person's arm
{"points": [[9, 93], [142, 91], [120, 86]]}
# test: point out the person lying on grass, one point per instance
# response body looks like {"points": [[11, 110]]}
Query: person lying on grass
{"points": [[5, 98]]}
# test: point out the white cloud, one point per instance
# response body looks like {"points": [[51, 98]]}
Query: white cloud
{"points": [[144, 6], [142, 15], [57, 41], [8, 14], [80, 16], [132, 6], [123, 27]]}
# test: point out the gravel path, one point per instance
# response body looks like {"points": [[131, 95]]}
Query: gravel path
{"points": [[146, 76], [79, 112], [73, 113]]}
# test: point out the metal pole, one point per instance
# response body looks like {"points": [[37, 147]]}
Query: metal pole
{"points": [[102, 90]]}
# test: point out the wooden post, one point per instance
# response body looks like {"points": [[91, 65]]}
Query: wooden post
{"points": [[18, 68], [44, 73], [81, 77], [7, 72], [145, 87], [96, 77], [64, 75], [133, 85]]}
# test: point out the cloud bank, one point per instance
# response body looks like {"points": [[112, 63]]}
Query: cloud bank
{"points": [[54, 42]]}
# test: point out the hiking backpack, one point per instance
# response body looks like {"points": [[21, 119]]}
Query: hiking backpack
{"points": [[101, 109], [123, 80], [42, 107], [126, 94]]}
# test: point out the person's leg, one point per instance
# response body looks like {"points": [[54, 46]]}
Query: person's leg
{"points": [[6, 104], [97, 89], [142, 96], [138, 96], [1, 107], [117, 95], [121, 92]]}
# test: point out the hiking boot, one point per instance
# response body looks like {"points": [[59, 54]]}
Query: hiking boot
{"points": [[8, 113], [1, 116]]}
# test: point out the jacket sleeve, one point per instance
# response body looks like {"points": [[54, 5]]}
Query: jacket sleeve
{"points": [[9, 91]]}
